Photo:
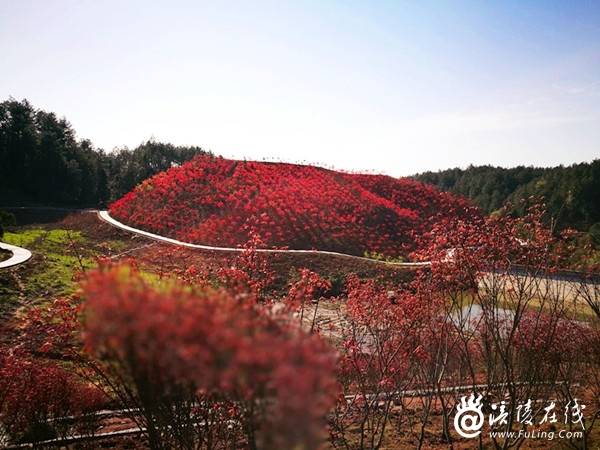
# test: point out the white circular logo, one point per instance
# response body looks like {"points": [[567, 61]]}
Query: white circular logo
{"points": [[469, 418]]}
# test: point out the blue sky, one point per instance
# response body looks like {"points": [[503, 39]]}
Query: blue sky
{"points": [[394, 87]]}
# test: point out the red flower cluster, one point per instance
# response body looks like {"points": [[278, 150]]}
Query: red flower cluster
{"points": [[222, 202]]}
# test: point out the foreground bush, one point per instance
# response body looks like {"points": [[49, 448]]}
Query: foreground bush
{"points": [[206, 368], [37, 396]]}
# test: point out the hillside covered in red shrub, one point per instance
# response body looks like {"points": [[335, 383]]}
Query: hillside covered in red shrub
{"points": [[222, 202]]}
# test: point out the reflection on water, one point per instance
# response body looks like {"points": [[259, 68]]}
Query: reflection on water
{"points": [[471, 316]]}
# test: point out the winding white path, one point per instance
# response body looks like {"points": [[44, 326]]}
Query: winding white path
{"points": [[105, 216], [20, 255]]}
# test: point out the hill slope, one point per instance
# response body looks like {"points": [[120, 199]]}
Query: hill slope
{"points": [[223, 202]]}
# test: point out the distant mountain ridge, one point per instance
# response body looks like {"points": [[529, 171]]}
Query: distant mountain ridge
{"points": [[571, 193]]}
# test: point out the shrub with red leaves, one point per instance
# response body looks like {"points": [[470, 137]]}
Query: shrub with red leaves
{"points": [[559, 340], [51, 331], [383, 339], [309, 288], [509, 308], [488, 311], [248, 272], [168, 349], [36, 395]]}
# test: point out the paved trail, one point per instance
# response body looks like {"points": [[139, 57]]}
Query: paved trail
{"points": [[20, 255], [105, 216]]}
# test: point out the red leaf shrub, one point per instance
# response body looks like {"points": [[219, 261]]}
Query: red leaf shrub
{"points": [[34, 393], [383, 345], [162, 345], [558, 340], [306, 289], [512, 312], [51, 331], [222, 202], [248, 272]]}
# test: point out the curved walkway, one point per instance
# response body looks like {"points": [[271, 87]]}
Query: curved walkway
{"points": [[20, 255], [105, 216]]}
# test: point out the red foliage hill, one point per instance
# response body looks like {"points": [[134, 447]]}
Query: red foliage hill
{"points": [[222, 202]]}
